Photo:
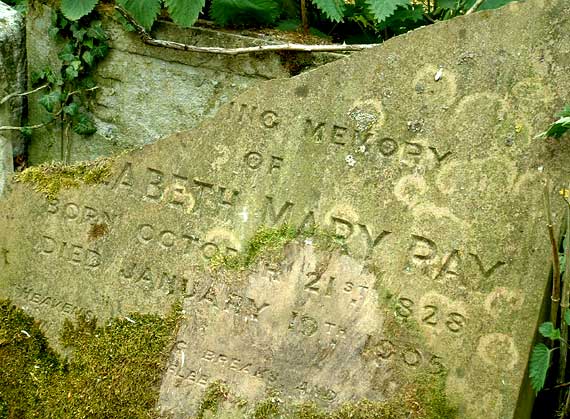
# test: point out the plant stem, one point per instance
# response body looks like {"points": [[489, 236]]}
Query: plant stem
{"points": [[564, 305], [555, 297], [304, 18], [12, 95], [474, 7]]}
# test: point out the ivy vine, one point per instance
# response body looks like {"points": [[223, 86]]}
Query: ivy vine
{"points": [[66, 92]]}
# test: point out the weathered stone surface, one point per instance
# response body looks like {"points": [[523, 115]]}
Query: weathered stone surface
{"points": [[12, 80], [435, 187], [148, 92]]}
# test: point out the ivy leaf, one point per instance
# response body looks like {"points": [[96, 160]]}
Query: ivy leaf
{"points": [[66, 57], [50, 100], [96, 31], [53, 31], [567, 316], [184, 12], [76, 9], [143, 11], [538, 367], [71, 73], [100, 51], [333, 9], [382, 9], [241, 12], [83, 125], [548, 331], [37, 76], [72, 109], [88, 58]]}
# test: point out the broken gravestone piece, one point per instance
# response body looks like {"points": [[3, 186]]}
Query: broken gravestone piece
{"points": [[432, 186]]}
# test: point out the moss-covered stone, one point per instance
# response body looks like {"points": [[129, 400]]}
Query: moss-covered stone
{"points": [[112, 370], [50, 178]]}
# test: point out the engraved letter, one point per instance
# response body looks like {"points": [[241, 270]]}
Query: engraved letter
{"points": [[275, 218], [155, 187], [315, 131]]}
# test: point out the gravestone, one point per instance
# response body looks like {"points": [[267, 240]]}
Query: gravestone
{"points": [[418, 156]]}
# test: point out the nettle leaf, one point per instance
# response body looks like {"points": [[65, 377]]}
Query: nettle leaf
{"points": [[184, 12], [50, 100], [83, 124], [557, 129], [382, 9], [548, 331], [538, 367], [76, 9], [333, 9], [242, 12], [143, 11]]}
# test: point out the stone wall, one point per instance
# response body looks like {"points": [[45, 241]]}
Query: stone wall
{"points": [[148, 92], [12, 80]]}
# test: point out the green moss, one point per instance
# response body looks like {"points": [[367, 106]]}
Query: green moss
{"points": [[270, 240], [267, 409], [50, 178], [113, 371], [214, 395]]}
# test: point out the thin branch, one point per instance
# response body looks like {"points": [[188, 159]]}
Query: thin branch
{"points": [[82, 90], [474, 8], [8, 128], [555, 297], [147, 39], [13, 95]]}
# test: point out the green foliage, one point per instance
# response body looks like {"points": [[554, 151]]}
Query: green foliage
{"points": [[560, 127], [567, 316], [333, 9], [539, 364], [548, 331], [382, 9], [145, 12], [184, 12], [240, 12], [76, 9]]}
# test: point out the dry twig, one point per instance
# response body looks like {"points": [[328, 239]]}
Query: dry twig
{"points": [[147, 39]]}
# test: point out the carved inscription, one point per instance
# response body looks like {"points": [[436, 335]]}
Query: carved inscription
{"points": [[151, 279], [45, 300], [385, 350], [430, 315], [74, 254], [427, 257], [177, 190], [181, 242], [84, 214]]}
